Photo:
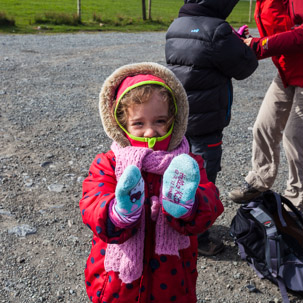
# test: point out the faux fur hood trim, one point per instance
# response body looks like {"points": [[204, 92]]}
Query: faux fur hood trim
{"points": [[107, 100]]}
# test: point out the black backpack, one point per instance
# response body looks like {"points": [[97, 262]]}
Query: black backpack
{"points": [[270, 239]]}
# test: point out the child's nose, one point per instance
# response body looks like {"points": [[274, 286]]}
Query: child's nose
{"points": [[150, 133]]}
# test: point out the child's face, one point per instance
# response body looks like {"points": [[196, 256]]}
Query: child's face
{"points": [[149, 119]]}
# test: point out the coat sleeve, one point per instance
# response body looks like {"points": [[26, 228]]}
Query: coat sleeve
{"points": [[289, 42], [98, 190], [231, 56], [207, 209]]}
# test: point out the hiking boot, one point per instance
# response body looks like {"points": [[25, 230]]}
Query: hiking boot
{"points": [[244, 194], [209, 246]]}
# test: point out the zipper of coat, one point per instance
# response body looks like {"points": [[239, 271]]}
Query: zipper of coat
{"points": [[230, 101]]}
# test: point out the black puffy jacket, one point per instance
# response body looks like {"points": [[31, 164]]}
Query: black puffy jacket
{"points": [[205, 54]]}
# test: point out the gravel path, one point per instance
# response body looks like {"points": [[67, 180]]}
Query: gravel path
{"points": [[50, 132]]}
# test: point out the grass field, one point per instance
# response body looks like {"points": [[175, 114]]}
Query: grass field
{"points": [[32, 16]]}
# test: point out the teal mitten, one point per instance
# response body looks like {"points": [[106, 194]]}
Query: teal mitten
{"points": [[180, 183], [129, 191]]}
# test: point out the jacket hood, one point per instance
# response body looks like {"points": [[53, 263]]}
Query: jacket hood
{"points": [[108, 95], [211, 8]]}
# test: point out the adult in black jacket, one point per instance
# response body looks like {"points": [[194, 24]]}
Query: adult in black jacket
{"points": [[205, 53]]}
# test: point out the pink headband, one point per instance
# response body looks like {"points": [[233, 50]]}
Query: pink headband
{"points": [[134, 80]]}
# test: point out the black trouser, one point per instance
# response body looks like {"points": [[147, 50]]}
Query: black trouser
{"points": [[210, 148]]}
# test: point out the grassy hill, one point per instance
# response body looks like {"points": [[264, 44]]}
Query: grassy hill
{"points": [[53, 16]]}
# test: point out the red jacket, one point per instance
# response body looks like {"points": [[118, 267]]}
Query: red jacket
{"points": [[165, 278], [272, 18]]}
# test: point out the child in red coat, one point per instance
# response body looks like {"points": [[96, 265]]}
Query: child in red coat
{"points": [[147, 198]]}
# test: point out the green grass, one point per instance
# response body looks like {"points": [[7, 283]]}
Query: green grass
{"points": [[240, 15], [54, 16]]}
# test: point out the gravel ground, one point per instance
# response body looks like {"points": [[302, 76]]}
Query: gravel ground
{"points": [[50, 132]]}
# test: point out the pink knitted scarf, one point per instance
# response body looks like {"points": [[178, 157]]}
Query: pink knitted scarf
{"points": [[127, 258]]}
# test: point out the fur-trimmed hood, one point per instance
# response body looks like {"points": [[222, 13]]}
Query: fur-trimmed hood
{"points": [[107, 99]]}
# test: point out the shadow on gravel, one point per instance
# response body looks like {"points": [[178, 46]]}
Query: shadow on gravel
{"points": [[230, 252]]}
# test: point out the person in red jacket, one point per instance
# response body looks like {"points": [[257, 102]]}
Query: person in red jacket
{"points": [[289, 42], [147, 198], [281, 114]]}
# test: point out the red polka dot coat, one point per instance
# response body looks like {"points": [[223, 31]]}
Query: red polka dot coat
{"points": [[165, 278]]}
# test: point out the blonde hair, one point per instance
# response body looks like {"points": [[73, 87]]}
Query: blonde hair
{"points": [[141, 95]]}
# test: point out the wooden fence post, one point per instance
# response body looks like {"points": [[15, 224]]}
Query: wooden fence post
{"points": [[79, 10], [143, 10], [250, 11], [149, 9]]}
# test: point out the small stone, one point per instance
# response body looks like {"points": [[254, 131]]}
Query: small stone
{"points": [[56, 187], [71, 176], [46, 163], [22, 230], [80, 179], [20, 260], [5, 213], [28, 182], [252, 288]]}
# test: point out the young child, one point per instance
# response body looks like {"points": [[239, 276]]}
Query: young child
{"points": [[146, 199]]}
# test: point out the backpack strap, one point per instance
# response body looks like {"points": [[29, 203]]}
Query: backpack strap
{"points": [[279, 208], [283, 290], [273, 247]]}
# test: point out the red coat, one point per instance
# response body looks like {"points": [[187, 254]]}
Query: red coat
{"points": [[272, 18], [165, 278]]}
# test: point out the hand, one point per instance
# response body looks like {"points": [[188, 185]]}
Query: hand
{"points": [[180, 183], [247, 41], [129, 191]]}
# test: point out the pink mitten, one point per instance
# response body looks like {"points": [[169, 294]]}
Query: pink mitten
{"points": [[243, 31]]}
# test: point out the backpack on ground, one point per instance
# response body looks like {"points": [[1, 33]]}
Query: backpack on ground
{"points": [[270, 239], [296, 11]]}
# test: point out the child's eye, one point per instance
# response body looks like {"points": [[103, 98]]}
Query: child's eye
{"points": [[137, 123], [161, 121]]}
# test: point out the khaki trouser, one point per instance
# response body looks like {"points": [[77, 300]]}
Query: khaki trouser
{"points": [[280, 118]]}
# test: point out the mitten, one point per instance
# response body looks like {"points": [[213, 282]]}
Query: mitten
{"points": [[180, 183], [243, 31], [129, 191]]}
